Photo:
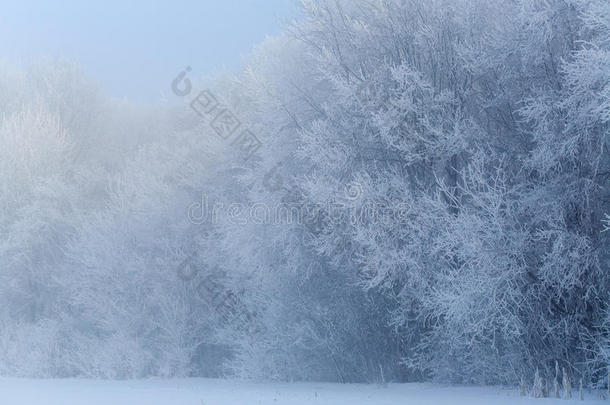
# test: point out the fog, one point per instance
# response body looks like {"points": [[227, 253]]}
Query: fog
{"points": [[133, 48], [382, 192]]}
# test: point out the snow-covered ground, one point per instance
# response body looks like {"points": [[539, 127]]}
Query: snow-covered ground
{"points": [[223, 392]]}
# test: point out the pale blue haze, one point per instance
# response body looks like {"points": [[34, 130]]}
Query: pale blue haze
{"points": [[134, 48]]}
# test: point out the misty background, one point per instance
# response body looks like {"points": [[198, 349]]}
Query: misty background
{"points": [[356, 191], [134, 48]]}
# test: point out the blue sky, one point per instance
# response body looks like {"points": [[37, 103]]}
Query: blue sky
{"points": [[134, 49]]}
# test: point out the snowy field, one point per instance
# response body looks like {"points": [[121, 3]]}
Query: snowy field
{"points": [[222, 392]]}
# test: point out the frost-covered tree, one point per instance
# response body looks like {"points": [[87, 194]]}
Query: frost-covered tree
{"points": [[427, 203], [451, 114]]}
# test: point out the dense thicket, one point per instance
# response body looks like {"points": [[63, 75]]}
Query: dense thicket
{"points": [[429, 203]]}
